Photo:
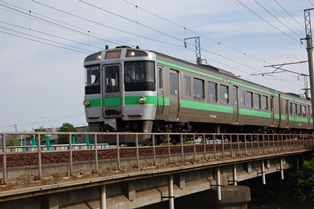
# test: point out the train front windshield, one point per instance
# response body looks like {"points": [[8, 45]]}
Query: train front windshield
{"points": [[139, 76], [92, 80]]}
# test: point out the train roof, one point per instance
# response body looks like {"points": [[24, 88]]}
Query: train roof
{"points": [[213, 69]]}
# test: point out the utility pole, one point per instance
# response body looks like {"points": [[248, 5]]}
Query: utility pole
{"points": [[197, 48], [309, 48], [15, 127]]}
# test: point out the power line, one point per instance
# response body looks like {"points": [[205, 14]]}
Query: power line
{"points": [[268, 22], [57, 25], [43, 42], [276, 18], [48, 34], [290, 15], [103, 25], [54, 42]]}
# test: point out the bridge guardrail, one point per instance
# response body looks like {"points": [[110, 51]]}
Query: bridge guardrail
{"points": [[176, 147]]}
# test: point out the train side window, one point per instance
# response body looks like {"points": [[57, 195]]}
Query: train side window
{"points": [[286, 107], [272, 103], [291, 108], [173, 84], [187, 86], [224, 96], [249, 99], [242, 94], [299, 109], [303, 110], [257, 101], [198, 89], [264, 102], [160, 79], [235, 95], [212, 91]]}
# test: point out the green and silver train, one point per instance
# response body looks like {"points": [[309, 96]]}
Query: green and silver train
{"points": [[133, 90]]}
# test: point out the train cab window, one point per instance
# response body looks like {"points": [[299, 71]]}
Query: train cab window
{"points": [[224, 96], [139, 76], [235, 96], [187, 86], [92, 82], [112, 79], [242, 95], [257, 101], [249, 99], [264, 102], [198, 89], [212, 92]]}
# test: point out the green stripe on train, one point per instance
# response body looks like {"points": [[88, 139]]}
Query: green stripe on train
{"points": [[94, 102], [298, 119], [132, 100], [112, 101], [254, 113], [206, 106]]}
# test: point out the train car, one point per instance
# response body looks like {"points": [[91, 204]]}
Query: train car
{"points": [[133, 90]]}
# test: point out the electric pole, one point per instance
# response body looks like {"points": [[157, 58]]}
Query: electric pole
{"points": [[309, 48], [197, 49]]}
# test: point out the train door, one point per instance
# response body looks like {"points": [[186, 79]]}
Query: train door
{"points": [[272, 110], [112, 98], [160, 92], [287, 113], [235, 104], [174, 95]]}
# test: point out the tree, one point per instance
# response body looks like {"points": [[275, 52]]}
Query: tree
{"points": [[304, 184], [13, 141], [66, 127]]}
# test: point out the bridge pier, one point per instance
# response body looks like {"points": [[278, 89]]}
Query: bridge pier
{"points": [[232, 197]]}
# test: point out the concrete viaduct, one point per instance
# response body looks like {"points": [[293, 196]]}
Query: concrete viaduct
{"points": [[133, 177]]}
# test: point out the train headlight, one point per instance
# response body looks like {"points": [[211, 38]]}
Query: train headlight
{"points": [[86, 103], [142, 100]]}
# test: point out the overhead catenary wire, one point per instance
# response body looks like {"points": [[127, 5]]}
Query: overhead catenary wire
{"points": [[289, 14], [103, 25], [268, 22], [170, 36]]}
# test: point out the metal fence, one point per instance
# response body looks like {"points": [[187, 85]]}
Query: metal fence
{"points": [[175, 148]]}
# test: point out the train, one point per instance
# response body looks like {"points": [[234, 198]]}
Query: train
{"points": [[134, 90]]}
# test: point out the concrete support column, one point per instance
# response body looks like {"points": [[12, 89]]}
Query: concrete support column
{"points": [[232, 197], [179, 180], [103, 198], [170, 192], [282, 168], [263, 172], [129, 190], [235, 180], [50, 201]]}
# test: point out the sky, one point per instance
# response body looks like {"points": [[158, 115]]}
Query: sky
{"points": [[43, 44]]}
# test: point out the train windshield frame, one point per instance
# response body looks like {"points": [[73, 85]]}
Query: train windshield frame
{"points": [[139, 76], [92, 79]]}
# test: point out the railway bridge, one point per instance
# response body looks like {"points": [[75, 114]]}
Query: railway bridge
{"points": [[97, 175]]}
